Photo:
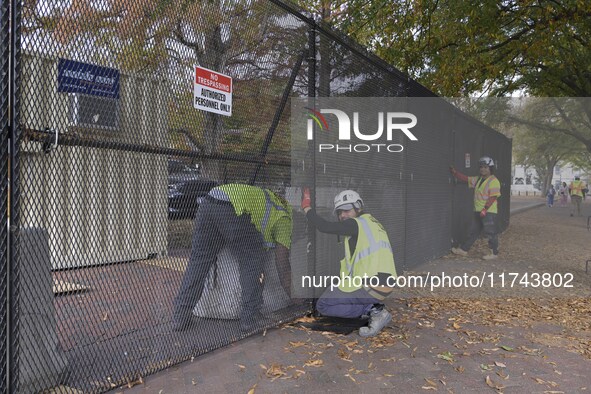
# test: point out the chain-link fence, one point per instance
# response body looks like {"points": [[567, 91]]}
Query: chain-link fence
{"points": [[125, 255], [4, 114]]}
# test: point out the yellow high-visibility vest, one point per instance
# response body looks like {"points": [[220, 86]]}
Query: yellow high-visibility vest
{"points": [[372, 255], [265, 211], [483, 190], [576, 188]]}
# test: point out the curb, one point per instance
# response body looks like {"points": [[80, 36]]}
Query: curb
{"points": [[523, 209]]}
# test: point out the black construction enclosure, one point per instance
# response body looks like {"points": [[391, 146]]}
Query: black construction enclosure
{"points": [[109, 145]]}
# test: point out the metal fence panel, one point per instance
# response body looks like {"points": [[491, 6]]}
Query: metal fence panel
{"points": [[15, 364], [111, 179], [4, 130], [114, 162], [468, 142], [427, 177], [345, 70]]}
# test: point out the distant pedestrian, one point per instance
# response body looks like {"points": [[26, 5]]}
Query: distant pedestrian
{"points": [[563, 191], [550, 196], [576, 195]]}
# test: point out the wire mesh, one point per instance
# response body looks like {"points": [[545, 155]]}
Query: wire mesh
{"points": [[114, 174], [14, 277], [117, 179], [4, 114]]}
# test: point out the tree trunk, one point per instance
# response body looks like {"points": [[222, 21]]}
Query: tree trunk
{"points": [[214, 59]]}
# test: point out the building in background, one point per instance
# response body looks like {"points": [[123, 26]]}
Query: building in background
{"points": [[525, 179]]}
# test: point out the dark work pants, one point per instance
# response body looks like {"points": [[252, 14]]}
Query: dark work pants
{"points": [[488, 224], [337, 303], [216, 226]]}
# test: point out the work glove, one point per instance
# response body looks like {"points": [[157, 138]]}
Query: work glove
{"points": [[306, 200], [483, 213], [452, 169]]}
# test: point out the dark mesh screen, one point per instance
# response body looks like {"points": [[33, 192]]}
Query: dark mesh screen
{"points": [[4, 114], [112, 166]]}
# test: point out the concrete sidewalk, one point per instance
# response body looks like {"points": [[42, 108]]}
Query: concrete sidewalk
{"points": [[433, 344], [519, 205]]}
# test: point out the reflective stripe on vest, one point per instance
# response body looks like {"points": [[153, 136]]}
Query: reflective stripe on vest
{"points": [[268, 205], [373, 246], [482, 188], [483, 192]]}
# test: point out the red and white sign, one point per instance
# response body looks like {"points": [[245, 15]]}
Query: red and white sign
{"points": [[213, 92]]}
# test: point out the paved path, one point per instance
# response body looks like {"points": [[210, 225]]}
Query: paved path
{"points": [[522, 205]]}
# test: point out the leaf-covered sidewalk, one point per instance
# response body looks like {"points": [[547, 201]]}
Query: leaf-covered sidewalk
{"points": [[484, 342]]}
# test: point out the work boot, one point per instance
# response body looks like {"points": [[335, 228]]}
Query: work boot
{"points": [[459, 251], [490, 256], [379, 317]]}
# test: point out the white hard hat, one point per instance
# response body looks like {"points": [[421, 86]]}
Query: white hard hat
{"points": [[348, 199], [486, 161]]}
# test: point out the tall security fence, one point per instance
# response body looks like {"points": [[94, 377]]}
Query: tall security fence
{"points": [[115, 128], [4, 121]]}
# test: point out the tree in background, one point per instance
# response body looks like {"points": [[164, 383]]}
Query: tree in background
{"points": [[545, 134], [457, 48]]}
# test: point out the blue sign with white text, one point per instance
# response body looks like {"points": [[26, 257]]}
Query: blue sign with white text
{"points": [[77, 77]]}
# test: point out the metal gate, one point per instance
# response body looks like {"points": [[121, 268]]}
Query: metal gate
{"points": [[109, 160]]}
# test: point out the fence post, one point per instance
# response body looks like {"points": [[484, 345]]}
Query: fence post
{"points": [[13, 246], [4, 87], [311, 178]]}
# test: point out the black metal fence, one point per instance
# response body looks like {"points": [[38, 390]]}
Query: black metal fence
{"points": [[4, 114], [106, 176]]}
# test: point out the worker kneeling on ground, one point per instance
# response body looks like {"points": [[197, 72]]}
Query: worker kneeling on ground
{"points": [[487, 189], [367, 253]]}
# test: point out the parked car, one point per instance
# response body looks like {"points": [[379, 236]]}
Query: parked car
{"points": [[184, 196], [185, 189], [180, 167]]}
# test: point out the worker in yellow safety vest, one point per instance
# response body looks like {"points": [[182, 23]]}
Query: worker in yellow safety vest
{"points": [[249, 220], [575, 190], [367, 273], [487, 189]]}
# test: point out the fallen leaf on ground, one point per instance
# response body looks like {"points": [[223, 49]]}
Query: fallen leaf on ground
{"points": [[351, 377], [493, 384], [314, 363], [447, 356], [344, 355], [275, 371]]}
